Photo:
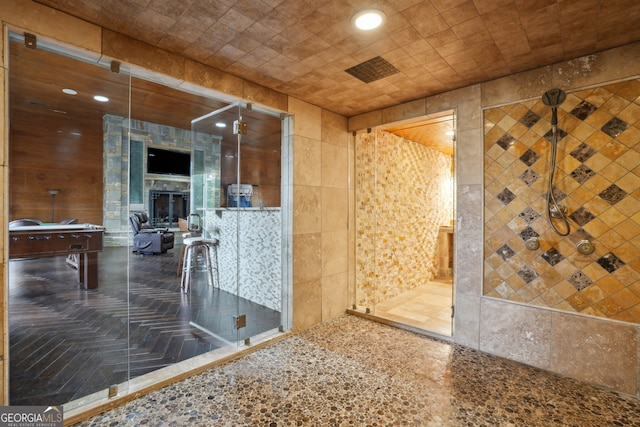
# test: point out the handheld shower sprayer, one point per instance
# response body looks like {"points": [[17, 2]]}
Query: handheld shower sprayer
{"points": [[553, 98]]}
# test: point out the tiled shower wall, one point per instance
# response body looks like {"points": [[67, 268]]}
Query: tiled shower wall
{"points": [[403, 195], [597, 179]]}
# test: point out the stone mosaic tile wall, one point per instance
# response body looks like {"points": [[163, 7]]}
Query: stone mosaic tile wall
{"points": [[259, 267], [403, 195], [597, 179]]}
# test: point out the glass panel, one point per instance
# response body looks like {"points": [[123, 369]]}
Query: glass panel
{"points": [[137, 319], [365, 218], [68, 314], [237, 200], [260, 223], [208, 277], [404, 211]]}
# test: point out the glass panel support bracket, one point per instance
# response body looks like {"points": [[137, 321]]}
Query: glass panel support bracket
{"points": [[240, 321], [239, 127]]}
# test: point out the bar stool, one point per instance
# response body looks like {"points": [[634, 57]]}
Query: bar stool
{"points": [[193, 248], [187, 232]]}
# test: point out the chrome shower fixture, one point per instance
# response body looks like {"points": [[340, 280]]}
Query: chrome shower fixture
{"points": [[533, 244], [585, 247], [558, 211], [553, 98]]}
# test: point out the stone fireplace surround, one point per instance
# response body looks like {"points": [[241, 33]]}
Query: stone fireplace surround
{"points": [[116, 169]]}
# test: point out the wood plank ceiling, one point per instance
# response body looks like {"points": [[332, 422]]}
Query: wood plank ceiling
{"points": [[303, 47], [38, 77]]}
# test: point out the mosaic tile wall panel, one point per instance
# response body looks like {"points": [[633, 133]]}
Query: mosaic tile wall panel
{"points": [[403, 195], [597, 180], [260, 267]]}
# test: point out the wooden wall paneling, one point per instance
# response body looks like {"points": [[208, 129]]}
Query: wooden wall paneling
{"points": [[44, 155], [259, 167]]}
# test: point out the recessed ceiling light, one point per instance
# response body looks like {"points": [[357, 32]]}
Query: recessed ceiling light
{"points": [[368, 19], [69, 91], [221, 125], [101, 98]]}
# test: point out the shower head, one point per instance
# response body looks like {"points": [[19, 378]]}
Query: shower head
{"points": [[553, 98]]}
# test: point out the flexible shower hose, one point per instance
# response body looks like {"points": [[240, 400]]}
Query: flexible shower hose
{"points": [[550, 196]]}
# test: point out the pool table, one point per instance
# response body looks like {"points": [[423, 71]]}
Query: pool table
{"points": [[81, 242]]}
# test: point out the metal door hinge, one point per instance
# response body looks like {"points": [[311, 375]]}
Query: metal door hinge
{"points": [[241, 321], [453, 311], [239, 128], [113, 391]]}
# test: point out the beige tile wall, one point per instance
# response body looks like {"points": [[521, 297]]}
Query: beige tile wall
{"points": [[595, 350], [320, 214]]}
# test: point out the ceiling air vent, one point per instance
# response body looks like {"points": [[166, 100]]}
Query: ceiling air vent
{"points": [[374, 69]]}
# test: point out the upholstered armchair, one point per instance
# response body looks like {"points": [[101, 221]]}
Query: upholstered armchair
{"points": [[146, 238]]}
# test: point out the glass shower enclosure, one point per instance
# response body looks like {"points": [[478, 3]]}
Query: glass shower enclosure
{"points": [[236, 200], [404, 212], [72, 346]]}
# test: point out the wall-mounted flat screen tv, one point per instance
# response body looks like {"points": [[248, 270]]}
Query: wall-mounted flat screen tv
{"points": [[168, 162]]}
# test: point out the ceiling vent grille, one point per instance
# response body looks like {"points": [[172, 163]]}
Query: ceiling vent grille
{"points": [[372, 70]]}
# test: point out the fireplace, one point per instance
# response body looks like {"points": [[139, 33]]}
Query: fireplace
{"points": [[165, 207]]}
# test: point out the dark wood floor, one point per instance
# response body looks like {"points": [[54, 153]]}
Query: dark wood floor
{"points": [[66, 342]]}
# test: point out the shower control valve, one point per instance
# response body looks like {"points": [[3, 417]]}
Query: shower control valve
{"points": [[533, 244], [585, 247]]}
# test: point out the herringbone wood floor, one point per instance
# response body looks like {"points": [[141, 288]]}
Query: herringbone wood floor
{"points": [[67, 342]]}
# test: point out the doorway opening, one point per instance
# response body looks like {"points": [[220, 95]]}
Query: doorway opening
{"points": [[404, 220]]}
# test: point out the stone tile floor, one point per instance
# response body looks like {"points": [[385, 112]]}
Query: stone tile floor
{"points": [[355, 372], [426, 307]]}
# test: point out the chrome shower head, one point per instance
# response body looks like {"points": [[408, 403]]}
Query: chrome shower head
{"points": [[554, 97]]}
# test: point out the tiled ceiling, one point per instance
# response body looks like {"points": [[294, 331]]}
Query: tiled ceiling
{"points": [[303, 47]]}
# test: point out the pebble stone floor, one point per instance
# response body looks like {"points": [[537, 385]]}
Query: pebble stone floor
{"points": [[355, 372]]}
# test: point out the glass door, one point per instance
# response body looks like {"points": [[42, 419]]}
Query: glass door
{"points": [[235, 286], [68, 304], [404, 220], [208, 279]]}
